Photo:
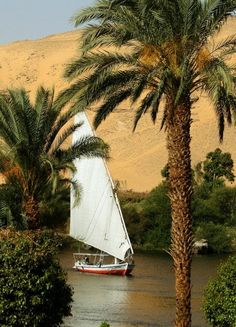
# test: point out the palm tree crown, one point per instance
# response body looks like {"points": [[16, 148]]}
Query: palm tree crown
{"points": [[33, 152], [171, 55], [151, 52]]}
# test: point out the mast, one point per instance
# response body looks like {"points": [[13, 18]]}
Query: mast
{"points": [[118, 206]]}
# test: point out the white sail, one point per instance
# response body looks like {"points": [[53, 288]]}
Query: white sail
{"points": [[97, 220]]}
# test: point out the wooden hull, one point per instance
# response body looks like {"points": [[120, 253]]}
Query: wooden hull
{"points": [[121, 269]]}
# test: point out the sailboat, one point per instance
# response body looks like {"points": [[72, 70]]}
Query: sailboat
{"points": [[97, 220]]}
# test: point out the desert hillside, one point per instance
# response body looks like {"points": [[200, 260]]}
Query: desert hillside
{"points": [[137, 158]]}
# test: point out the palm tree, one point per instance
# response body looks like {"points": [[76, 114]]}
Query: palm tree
{"points": [[164, 52], [34, 158]]}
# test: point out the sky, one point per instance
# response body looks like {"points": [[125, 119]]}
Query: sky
{"points": [[33, 19]]}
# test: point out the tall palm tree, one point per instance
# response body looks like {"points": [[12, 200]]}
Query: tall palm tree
{"points": [[163, 52], [33, 155]]}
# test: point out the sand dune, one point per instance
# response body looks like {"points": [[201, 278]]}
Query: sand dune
{"points": [[137, 158]]}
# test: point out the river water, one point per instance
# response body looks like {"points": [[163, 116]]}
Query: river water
{"points": [[146, 299]]}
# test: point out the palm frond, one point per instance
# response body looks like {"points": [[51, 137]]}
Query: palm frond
{"points": [[108, 84], [145, 105], [100, 11], [45, 116], [31, 158], [100, 60], [225, 46], [110, 104], [166, 49], [217, 73], [215, 13], [86, 146], [64, 136], [57, 127], [99, 36], [157, 99]]}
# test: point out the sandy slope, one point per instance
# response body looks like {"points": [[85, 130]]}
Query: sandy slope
{"points": [[137, 158]]}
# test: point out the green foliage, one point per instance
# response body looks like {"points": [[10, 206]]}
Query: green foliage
{"points": [[136, 222], [156, 207], [131, 196], [33, 289], [55, 210], [147, 217], [35, 159], [204, 206], [170, 56], [217, 205], [224, 201], [217, 236], [105, 324], [10, 207], [220, 296], [165, 172], [217, 168]]}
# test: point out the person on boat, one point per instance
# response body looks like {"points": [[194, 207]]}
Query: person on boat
{"points": [[86, 260], [100, 262]]}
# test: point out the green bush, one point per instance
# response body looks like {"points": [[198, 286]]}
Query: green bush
{"points": [[10, 208], [136, 223], [156, 207], [220, 296], [33, 289], [217, 236], [104, 324], [217, 205]]}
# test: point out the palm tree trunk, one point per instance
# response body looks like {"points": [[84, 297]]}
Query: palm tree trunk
{"points": [[31, 210], [180, 191]]}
